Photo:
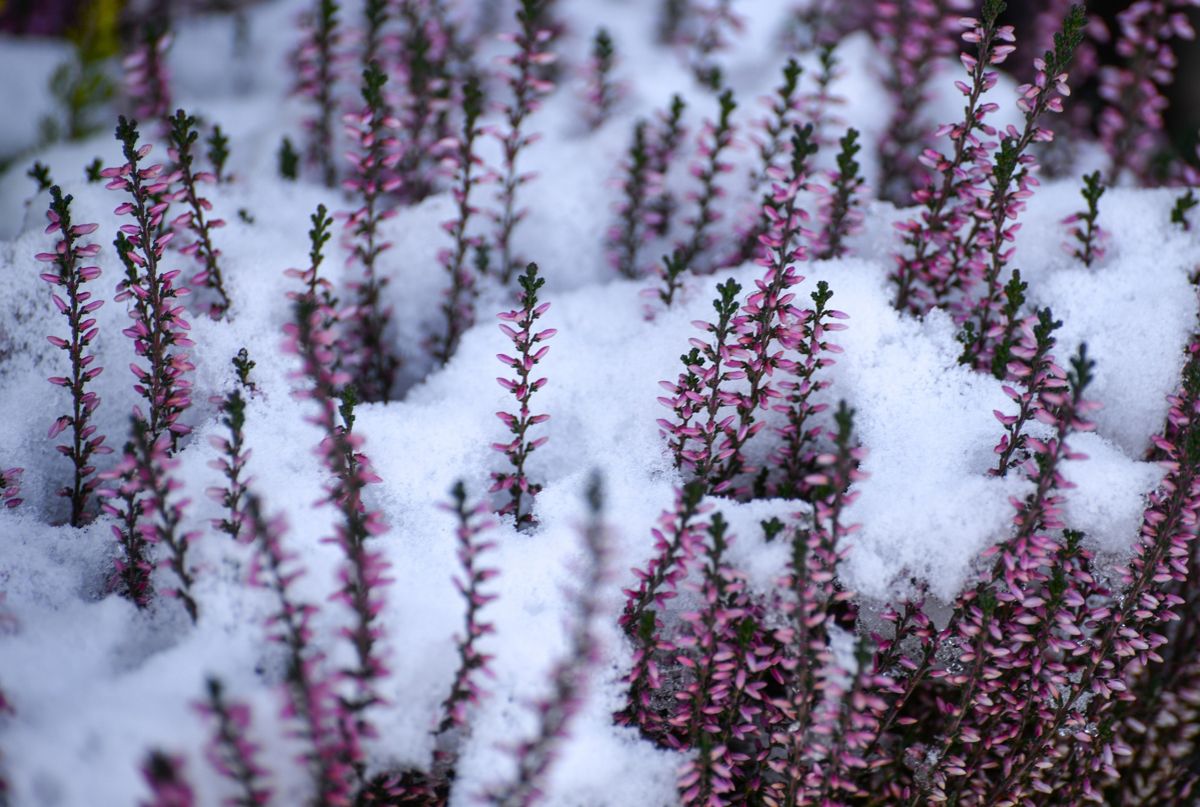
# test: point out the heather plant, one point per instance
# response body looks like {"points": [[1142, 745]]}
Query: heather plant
{"points": [[147, 81], [92, 171], [1085, 229], [1131, 123], [912, 36], [696, 398], [953, 185], [458, 307], [526, 89], [839, 211], [182, 137], [149, 466], [122, 499], [317, 73], [716, 22], [768, 318], [229, 751], [770, 138], [715, 139], [425, 50], [796, 453], [515, 484], [158, 324], [569, 677], [363, 575], [471, 523], [633, 229], [601, 93], [168, 785], [70, 275], [308, 689], [1032, 366], [374, 362], [662, 149], [234, 454], [821, 103]]}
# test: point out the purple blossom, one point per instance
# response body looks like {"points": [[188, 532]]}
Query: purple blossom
{"points": [[168, 785], [373, 360], [229, 751], [183, 136], [147, 81], [521, 492], [10, 487], [465, 690], [363, 576], [70, 276], [316, 66], [159, 328], [527, 88]]}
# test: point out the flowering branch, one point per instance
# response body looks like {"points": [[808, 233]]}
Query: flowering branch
{"points": [[524, 339], [526, 88], [77, 308], [1085, 230], [569, 678], [183, 136], [309, 694], [363, 576], [375, 362], [158, 324], [229, 751], [465, 691], [459, 304], [839, 214], [168, 785], [316, 80]]}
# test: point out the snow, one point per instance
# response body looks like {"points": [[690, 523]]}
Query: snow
{"points": [[95, 683]]}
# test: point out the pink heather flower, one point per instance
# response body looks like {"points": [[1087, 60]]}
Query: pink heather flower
{"points": [[568, 686], [229, 751], [151, 465], [956, 179], [374, 362], [147, 81], [838, 210], [696, 397], [1131, 123], [661, 150], [459, 304], [232, 464], [1088, 234], [168, 785], [913, 36], [159, 328], [124, 500], [770, 136], [70, 276], [520, 491], [625, 239], [363, 576], [316, 65], [601, 92], [311, 705], [183, 136], [465, 690], [527, 88], [717, 22], [715, 139], [768, 320]]}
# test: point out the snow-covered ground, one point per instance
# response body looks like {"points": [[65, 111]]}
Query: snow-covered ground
{"points": [[94, 682]]}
